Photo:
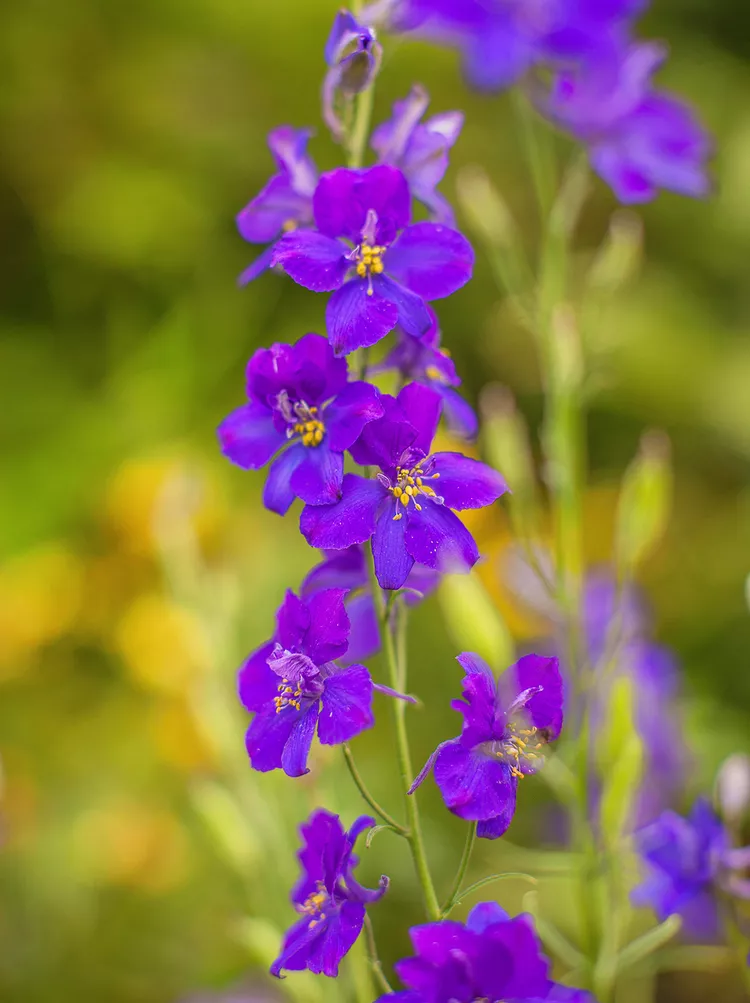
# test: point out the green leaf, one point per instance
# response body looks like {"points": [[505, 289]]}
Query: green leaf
{"points": [[649, 943]]}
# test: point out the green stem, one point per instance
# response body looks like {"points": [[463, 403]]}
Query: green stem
{"points": [[396, 680], [357, 139], [375, 963], [489, 880], [462, 868], [360, 784]]}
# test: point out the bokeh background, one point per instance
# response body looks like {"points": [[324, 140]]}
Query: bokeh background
{"points": [[141, 860]]}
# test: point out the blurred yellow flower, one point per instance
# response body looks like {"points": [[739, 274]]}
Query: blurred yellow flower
{"points": [[162, 644], [179, 738], [40, 599], [128, 843]]}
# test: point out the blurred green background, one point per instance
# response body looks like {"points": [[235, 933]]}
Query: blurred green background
{"points": [[138, 567]]}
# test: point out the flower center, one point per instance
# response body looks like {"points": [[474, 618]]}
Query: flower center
{"points": [[304, 421], [410, 485], [288, 695], [519, 746], [313, 905]]}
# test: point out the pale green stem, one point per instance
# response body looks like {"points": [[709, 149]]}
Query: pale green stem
{"points": [[462, 868], [360, 784], [375, 963], [397, 679]]}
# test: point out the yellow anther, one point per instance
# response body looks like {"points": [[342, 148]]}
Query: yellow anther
{"points": [[361, 269], [377, 267], [397, 491]]}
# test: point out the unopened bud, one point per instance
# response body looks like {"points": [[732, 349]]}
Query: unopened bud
{"points": [[619, 256], [645, 501], [733, 788], [485, 209]]}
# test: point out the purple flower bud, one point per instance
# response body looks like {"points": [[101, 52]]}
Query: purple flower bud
{"points": [[353, 55]]}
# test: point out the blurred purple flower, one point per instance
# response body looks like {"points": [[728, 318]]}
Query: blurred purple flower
{"points": [[424, 361], [500, 40], [388, 269], [400, 509], [292, 684], [353, 56], [299, 398], [347, 569], [639, 140], [420, 149], [490, 957], [286, 201], [330, 899], [506, 724], [689, 862]]}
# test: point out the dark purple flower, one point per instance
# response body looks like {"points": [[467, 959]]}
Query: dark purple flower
{"points": [[292, 684], [639, 140], [507, 722], [353, 56], [347, 569], [299, 402], [380, 269], [407, 508], [330, 899], [500, 40], [492, 957], [424, 361], [286, 201], [420, 149], [689, 861]]}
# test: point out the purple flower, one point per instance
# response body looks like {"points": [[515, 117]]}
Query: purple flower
{"points": [[380, 269], [407, 508], [286, 201], [639, 140], [330, 899], [492, 957], [689, 861], [353, 56], [347, 569], [420, 149], [292, 684], [507, 722], [424, 361], [299, 402], [500, 40]]}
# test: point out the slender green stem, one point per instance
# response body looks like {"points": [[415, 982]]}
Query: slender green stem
{"points": [[490, 880], [471, 835], [360, 784], [397, 679], [375, 963]]}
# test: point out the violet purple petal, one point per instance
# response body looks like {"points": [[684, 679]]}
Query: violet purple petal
{"points": [[437, 537], [317, 478], [346, 705], [278, 493], [328, 634], [313, 260], [355, 319], [257, 684], [297, 747], [248, 436], [474, 786], [413, 314], [465, 483], [431, 260], [392, 560], [346, 416], [350, 520]]}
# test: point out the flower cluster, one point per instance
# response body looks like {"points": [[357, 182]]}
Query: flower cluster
{"points": [[382, 501], [639, 139]]}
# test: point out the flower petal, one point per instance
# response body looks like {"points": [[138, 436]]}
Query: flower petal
{"points": [[485, 914], [474, 786], [323, 854], [248, 436], [460, 416], [431, 260], [297, 748], [289, 148], [313, 260], [328, 634], [466, 483], [292, 622], [267, 736], [344, 197], [257, 684], [436, 537], [422, 406], [261, 264], [364, 638], [355, 319], [541, 676], [346, 705], [278, 493], [392, 560], [278, 203], [340, 933], [351, 520], [341, 569], [347, 415], [301, 942], [317, 478], [413, 313]]}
